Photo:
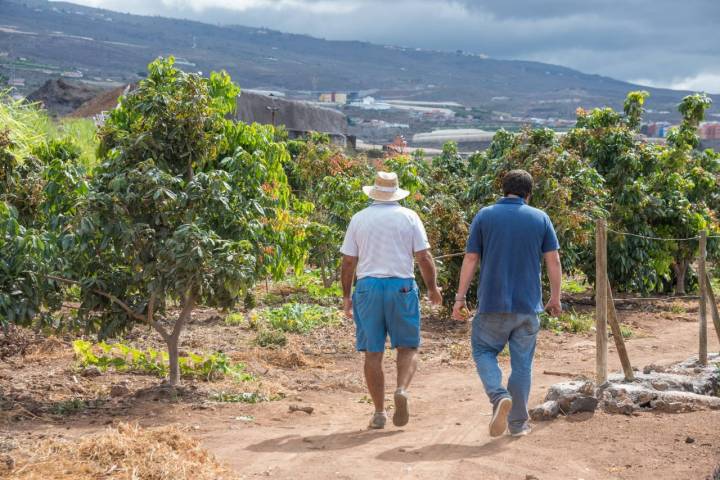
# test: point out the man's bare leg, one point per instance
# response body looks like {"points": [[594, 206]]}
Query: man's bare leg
{"points": [[375, 378], [406, 366]]}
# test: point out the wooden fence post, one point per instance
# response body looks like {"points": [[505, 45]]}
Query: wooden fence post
{"points": [[617, 336], [601, 301], [713, 306], [702, 277]]}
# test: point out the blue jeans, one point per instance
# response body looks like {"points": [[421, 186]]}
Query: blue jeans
{"points": [[490, 333]]}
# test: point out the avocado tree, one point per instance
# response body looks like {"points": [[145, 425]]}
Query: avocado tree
{"points": [[653, 191], [610, 143], [566, 186], [686, 186], [186, 208], [327, 178], [41, 182]]}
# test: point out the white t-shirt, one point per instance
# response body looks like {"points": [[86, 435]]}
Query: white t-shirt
{"points": [[385, 236]]}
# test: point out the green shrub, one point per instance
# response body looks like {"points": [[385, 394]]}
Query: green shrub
{"points": [[272, 299], [301, 318], [575, 285], [124, 358], [271, 338], [243, 397], [626, 331], [569, 322], [235, 318], [677, 308], [312, 283], [68, 407], [249, 301]]}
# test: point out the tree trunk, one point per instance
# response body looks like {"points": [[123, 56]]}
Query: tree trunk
{"points": [[326, 280], [173, 340], [173, 356], [680, 269]]}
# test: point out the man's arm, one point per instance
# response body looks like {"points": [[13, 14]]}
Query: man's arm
{"points": [[467, 272], [554, 269], [347, 275], [429, 275]]}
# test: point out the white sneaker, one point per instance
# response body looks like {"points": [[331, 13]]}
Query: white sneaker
{"points": [[402, 412], [499, 424], [378, 420], [523, 432]]}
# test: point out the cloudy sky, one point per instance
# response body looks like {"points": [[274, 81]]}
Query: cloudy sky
{"points": [[667, 43]]}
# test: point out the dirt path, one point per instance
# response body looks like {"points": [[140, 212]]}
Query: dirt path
{"points": [[448, 439]]}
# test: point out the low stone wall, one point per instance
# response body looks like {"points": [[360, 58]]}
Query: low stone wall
{"points": [[682, 387]]}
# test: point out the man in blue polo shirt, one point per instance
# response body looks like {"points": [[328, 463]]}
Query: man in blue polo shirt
{"points": [[509, 240]]}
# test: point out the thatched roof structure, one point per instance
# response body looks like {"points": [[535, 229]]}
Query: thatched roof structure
{"points": [[298, 117]]}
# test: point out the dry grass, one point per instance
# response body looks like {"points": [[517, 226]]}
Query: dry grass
{"points": [[125, 452], [51, 347]]}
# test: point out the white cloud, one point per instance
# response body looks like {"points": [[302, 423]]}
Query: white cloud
{"points": [[173, 7], [704, 82], [321, 6]]}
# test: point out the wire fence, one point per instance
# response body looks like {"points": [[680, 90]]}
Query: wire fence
{"points": [[449, 255], [627, 234], [662, 239]]}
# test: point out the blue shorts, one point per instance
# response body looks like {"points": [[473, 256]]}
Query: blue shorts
{"points": [[383, 306]]}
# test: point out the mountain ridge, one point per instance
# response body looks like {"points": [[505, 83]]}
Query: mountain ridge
{"points": [[103, 44]]}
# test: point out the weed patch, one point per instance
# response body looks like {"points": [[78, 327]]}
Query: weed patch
{"points": [[69, 406], [243, 397], [124, 358], [575, 285], [626, 331], [568, 322], [301, 317], [270, 338], [311, 283], [678, 308], [234, 319]]}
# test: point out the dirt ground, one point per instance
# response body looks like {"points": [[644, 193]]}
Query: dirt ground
{"points": [[447, 437]]}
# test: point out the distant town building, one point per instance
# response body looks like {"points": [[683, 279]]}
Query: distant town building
{"points": [[299, 118], [334, 97], [655, 129], [72, 74], [709, 130]]}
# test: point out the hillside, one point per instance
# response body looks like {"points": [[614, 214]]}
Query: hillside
{"points": [[39, 40]]}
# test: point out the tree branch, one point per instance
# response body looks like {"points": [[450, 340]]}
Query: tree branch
{"points": [[109, 296], [188, 305]]}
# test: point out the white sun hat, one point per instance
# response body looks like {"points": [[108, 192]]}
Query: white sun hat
{"points": [[386, 188]]}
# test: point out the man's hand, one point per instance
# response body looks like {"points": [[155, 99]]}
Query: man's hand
{"points": [[435, 296], [460, 311], [348, 308], [554, 307]]}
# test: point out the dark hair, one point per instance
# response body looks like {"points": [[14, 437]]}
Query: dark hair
{"points": [[517, 182]]}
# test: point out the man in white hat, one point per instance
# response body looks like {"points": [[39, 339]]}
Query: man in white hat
{"points": [[380, 244]]}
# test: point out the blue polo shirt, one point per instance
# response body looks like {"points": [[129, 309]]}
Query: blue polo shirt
{"points": [[511, 238]]}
